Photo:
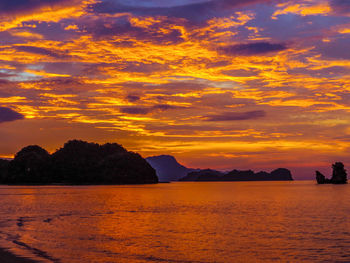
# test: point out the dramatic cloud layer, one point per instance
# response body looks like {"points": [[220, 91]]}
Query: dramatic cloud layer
{"points": [[221, 83]]}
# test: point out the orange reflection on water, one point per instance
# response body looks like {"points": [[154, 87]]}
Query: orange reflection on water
{"points": [[179, 222]]}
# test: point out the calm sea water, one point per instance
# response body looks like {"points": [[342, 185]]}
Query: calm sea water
{"points": [[178, 222]]}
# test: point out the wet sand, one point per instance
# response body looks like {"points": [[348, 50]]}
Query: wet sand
{"points": [[8, 257]]}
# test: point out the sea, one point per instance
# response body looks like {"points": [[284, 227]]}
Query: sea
{"points": [[201, 222]]}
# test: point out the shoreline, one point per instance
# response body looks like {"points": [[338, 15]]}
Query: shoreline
{"points": [[9, 257]]}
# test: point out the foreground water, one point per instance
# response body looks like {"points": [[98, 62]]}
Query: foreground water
{"points": [[178, 222]]}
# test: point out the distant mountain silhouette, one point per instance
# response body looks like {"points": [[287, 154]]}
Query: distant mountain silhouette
{"points": [[167, 168], [280, 174], [78, 162]]}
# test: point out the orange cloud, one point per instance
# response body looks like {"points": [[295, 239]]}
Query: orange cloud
{"points": [[302, 9]]}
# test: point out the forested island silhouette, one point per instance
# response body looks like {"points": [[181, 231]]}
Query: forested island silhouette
{"points": [[77, 162]]}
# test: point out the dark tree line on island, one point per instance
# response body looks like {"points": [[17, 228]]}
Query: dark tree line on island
{"points": [[280, 174], [78, 162]]}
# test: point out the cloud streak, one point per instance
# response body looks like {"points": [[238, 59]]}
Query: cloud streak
{"points": [[236, 116], [251, 49], [146, 110], [41, 51]]}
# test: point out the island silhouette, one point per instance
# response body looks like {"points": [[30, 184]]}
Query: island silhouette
{"points": [[77, 162], [168, 169], [207, 175], [339, 175]]}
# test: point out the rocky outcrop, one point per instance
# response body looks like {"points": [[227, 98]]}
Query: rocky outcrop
{"points": [[320, 178], [339, 175]]}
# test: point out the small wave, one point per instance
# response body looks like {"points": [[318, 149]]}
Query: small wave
{"points": [[148, 258], [35, 251]]}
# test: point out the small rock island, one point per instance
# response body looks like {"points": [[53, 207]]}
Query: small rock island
{"points": [[77, 163], [339, 175]]}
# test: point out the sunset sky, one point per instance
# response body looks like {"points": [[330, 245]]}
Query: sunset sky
{"points": [[224, 84]]}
